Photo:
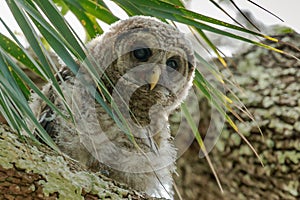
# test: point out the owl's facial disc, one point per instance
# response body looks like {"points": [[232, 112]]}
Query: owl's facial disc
{"points": [[155, 83], [150, 67], [153, 66], [163, 71]]}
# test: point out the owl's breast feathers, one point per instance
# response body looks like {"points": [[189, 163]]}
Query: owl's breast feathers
{"points": [[139, 106]]}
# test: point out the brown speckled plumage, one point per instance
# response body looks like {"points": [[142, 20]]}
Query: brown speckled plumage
{"points": [[95, 136]]}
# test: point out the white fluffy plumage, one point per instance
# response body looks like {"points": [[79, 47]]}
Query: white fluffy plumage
{"points": [[145, 63]]}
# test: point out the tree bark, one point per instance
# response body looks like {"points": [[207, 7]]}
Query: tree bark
{"points": [[270, 84], [30, 171]]}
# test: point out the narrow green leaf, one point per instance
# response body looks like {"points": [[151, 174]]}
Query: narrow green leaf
{"points": [[15, 51], [21, 85], [224, 11], [7, 110], [14, 105], [30, 34], [22, 112], [56, 44], [60, 24], [130, 8], [59, 48], [28, 62], [197, 24], [88, 22], [195, 130], [210, 68], [35, 43], [67, 39], [25, 78], [95, 9], [174, 2], [165, 7], [212, 46], [62, 5], [101, 3]]}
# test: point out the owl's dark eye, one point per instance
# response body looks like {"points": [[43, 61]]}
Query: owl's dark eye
{"points": [[142, 54], [172, 64]]}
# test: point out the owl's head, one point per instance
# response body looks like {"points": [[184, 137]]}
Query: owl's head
{"points": [[146, 61]]}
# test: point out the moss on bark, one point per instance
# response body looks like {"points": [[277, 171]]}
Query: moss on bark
{"points": [[30, 171]]}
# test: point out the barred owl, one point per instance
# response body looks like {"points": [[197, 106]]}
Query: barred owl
{"points": [[147, 68]]}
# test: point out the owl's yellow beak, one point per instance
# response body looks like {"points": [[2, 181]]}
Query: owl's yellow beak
{"points": [[154, 77]]}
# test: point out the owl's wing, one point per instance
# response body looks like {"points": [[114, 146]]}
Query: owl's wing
{"points": [[42, 111], [47, 117]]}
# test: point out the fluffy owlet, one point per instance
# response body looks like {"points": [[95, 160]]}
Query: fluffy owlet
{"points": [[147, 67]]}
